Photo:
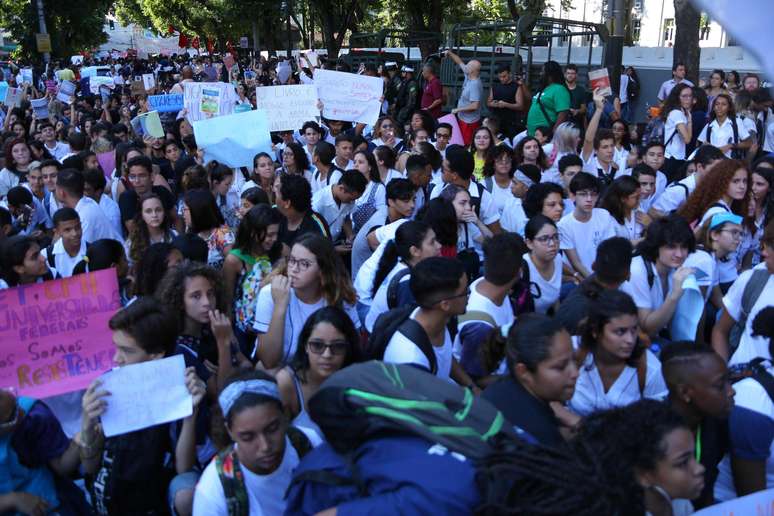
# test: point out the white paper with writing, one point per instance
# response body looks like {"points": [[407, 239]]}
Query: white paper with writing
{"points": [[288, 107], [348, 96]]}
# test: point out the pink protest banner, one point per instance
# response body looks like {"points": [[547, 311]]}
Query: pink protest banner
{"points": [[107, 160], [55, 336], [456, 136]]}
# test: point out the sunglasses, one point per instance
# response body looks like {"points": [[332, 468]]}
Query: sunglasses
{"points": [[318, 347]]}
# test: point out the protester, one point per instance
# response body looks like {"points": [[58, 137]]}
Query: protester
{"points": [[468, 108]]}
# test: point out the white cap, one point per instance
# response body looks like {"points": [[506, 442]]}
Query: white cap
{"points": [[407, 68], [390, 64]]}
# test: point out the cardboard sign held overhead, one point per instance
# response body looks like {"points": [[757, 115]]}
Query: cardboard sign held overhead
{"points": [[137, 88]]}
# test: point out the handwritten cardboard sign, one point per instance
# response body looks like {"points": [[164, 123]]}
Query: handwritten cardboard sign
{"points": [[55, 336], [166, 103], [145, 394], [348, 96], [66, 92], [288, 107]]}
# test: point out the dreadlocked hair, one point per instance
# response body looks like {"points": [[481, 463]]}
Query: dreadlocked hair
{"points": [[537, 480]]}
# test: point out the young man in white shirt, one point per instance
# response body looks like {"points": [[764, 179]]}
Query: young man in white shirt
{"points": [[94, 187], [586, 227], [70, 248], [69, 192], [489, 307], [344, 147], [675, 195], [599, 147], [443, 134], [678, 76], [326, 172], [49, 169], [654, 158], [57, 149], [335, 203], [440, 286]]}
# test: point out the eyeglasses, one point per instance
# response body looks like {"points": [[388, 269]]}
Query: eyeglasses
{"points": [[302, 264], [442, 136], [546, 239], [336, 347]]}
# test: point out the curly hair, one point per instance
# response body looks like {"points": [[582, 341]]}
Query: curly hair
{"points": [[518, 153], [140, 235], [712, 189], [672, 101], [493, 154], [171, 292], [335, 281]]}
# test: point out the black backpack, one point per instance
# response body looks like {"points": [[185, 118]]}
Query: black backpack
{"points": [[399, 319], [735, 153], [392, 287]]}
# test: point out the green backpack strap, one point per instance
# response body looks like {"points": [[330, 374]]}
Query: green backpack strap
{"points": [[477, 315], [233, 482]]}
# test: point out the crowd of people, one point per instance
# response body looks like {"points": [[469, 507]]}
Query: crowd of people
{"points": [[548, 267]]}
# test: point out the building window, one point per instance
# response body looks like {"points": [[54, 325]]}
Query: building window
{"points": [[636, 25], [669, 29]]}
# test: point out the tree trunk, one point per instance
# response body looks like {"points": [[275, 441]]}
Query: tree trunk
{"points": [[686, 49]]}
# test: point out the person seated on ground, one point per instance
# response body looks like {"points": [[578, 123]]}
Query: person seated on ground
{"points": [[21, 262], [293, 197], [118, 468], [541, 372], [700, 391], [615, 367], [335, 203], [328, 343], [251, 475], [70, 247]]}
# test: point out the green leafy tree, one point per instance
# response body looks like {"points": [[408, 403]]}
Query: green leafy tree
{"points": [[73, 26]]}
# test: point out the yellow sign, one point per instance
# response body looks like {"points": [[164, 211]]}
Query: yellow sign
{"points": [[43, 42]]}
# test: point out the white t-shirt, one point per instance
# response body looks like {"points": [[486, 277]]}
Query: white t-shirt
{"points": [[500, 196], [380, 195], [477, 302], [674, 196], [749, 347], [333, 212], [487, 211], [513, 218], [723, 134], [644, 295], [585, 237], [94, 222], [751, 434], [401, 350], [319, 183], [727, 270], [590, 394], [364, 279], [265, 493], [295, 317], [544, 292], [63, 262], [112, 211], [379, 304], [676, 146]]}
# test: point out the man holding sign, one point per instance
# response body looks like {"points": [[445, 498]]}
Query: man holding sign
{"points": [[119, 468]]}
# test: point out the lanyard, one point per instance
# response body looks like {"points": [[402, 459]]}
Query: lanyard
{"points": [[698, 444]]}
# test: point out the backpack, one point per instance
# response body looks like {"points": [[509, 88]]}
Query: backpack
{"points": [[232, 480], [521, 296], [735, 153], [392, 288], [752, 291], [247, 288], [373, 398], [757, 371], [392, 321]]}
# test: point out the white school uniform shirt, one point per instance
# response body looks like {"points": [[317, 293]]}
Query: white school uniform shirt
{"points": [[94, 222], [644, 295], [676, 146], [487, 211], [333, 212], [63, 262], [667, 86], [723, 134], [501, 314], [500, 196], [319, 183], [585, 237], [751, 434], [295, 317], [590, 395], [401, 350], [380, 196], [59, 151], [472, 239], [674, 196], [265, 493], [749, 347], [513, 218], [630, 229], [113, 212], [379, 304], [727, 270], [544, 292], [768, 136], [364, 279]]}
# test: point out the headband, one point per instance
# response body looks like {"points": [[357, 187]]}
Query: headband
{"points": [[722, 218], [523, 178], [234, 391]]}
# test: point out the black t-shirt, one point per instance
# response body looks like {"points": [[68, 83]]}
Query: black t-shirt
{"points": [[313, 223], [506, 93], [526, 413], [129, 202]]}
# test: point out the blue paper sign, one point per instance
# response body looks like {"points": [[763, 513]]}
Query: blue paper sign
{"points": [[235, 139], [3, 91], [166, 103]]}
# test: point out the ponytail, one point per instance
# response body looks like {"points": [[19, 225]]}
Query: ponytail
{"points": [[409, 234]]}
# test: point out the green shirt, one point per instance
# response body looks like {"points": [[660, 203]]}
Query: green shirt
{"points": [[555, 99]]}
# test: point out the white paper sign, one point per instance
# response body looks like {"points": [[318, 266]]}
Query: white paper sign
{"points": [[40, 108], [204, 100], [148, 81], [26, 74], [288, 107], [13, 97], [348, 96], [66, 92], [144, 395]]}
